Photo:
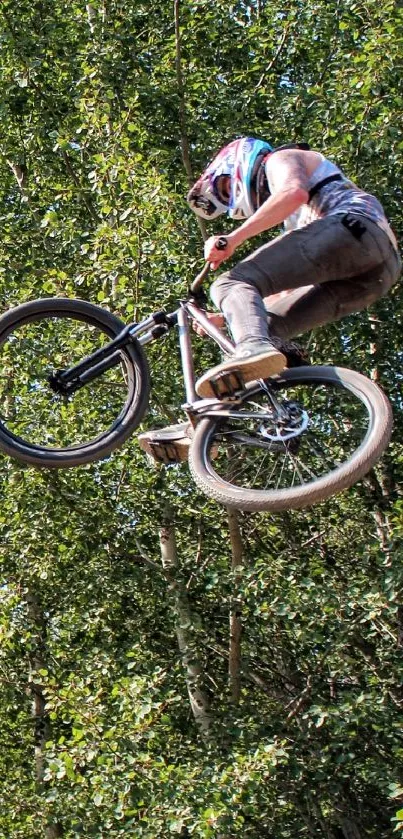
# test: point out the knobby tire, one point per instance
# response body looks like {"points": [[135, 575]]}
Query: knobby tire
{"points": [[213, 476], [133, 382]]}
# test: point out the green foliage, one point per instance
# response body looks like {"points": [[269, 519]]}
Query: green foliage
{"points": [[91, 192]]}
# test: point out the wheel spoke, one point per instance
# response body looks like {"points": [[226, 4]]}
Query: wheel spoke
{"points": [[31, 410], [304, 468], [319, 427]]}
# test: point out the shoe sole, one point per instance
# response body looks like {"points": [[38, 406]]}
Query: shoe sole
{"points": [[167, 445], [257, 367], [166, 451]]}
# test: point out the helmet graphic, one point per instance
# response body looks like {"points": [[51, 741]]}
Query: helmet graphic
{"points": [[238, 161]]}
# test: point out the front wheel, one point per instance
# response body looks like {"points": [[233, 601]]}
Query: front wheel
{"points": [[302, 438], [47, 429]]}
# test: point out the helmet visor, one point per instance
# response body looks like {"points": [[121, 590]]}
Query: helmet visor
{"points": [[204, 201]]}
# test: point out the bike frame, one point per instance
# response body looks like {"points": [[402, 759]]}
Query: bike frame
{"points": [[150, 329], [187, 311], [195, 406]]}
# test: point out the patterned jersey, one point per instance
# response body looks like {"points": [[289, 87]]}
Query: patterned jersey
{"points": [[338, 196]]}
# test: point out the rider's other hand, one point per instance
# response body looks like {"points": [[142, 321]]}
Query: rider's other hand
{"points": [[214, 255], [216, 318]]}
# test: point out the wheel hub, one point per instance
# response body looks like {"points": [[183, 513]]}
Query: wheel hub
{"points": [[292, 424]]}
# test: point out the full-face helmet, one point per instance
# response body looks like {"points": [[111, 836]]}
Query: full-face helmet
{"points": [[230, 184]]}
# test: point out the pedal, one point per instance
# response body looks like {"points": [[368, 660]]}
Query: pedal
{"points": [[166, 453], [227, 383], [167, 445]]}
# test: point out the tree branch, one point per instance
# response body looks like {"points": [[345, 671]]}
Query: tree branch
{"points": [[184, 141], [20, 173]]}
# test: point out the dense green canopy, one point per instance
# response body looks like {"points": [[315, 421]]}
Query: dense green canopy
{"points": [[107, 110]]}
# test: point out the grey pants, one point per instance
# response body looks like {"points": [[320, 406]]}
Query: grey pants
{"points": [[332, 267]]}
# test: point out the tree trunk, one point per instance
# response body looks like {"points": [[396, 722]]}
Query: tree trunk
{"points": [[349, 828], [381, 484], [91, 15], [183, 616], [41, 724], [235, 624]]}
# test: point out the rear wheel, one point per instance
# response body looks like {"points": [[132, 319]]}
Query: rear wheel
{"points": [[324, 429], [44, 428]]}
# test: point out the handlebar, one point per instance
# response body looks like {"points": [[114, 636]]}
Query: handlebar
{"points": [[199, 280], [197, 283]]}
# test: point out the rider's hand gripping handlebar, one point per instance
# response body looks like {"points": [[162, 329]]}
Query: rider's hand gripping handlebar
{"points": [[221, 244]]}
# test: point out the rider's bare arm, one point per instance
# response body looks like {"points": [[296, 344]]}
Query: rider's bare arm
{"points": [[289, 172], [289, 176]]}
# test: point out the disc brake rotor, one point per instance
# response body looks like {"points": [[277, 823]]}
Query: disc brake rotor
{"points": [[287, 428]]}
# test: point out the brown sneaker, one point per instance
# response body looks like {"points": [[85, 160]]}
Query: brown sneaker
{"points": [[257, 361], [167, 445]]}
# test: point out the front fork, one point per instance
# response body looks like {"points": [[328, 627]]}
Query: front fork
{"points": [[66, 382]]}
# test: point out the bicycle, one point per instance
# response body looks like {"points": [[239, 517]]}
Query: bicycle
{"points": [[75, 385]]}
